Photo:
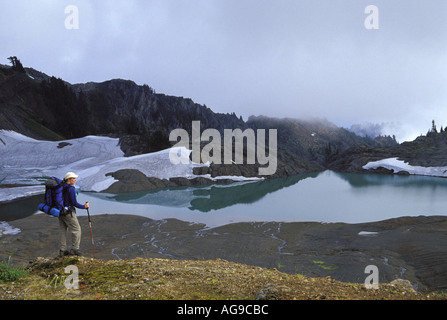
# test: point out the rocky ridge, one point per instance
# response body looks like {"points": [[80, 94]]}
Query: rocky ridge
{"points": [[44, 107], [426, 151]]}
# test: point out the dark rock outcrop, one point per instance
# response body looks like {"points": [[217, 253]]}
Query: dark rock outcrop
{"points": [[425, 151], [132, 180]]}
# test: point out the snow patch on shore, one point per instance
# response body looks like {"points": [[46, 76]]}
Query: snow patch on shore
{"points": [[400, 165], [368, 233], [7, 229], [9, 194]]}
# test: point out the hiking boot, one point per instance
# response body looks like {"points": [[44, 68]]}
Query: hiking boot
{"points": [[63, 253], [75, 252]]}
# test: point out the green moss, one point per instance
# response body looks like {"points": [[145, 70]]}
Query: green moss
{"points": [[108, 276], [322, 265], [10, 273]]}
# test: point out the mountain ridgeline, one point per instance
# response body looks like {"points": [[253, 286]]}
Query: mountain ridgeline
{"points": [[44, 107]]}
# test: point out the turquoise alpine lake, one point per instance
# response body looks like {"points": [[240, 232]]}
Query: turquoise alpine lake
{"points": [[323, 197]]}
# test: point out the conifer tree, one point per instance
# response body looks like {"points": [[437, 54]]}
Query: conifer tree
{"points": [[16, 64]]}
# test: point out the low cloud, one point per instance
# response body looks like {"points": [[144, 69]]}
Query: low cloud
{"points": [[286, 59]]}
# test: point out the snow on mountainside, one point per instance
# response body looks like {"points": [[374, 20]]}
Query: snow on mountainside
{"points": [[401, 166], [26, 161]]}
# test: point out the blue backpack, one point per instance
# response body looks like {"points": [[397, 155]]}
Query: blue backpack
{"points": [[54, 200]]}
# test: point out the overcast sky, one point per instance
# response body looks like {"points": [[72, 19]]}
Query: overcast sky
{"points": [[282, 58]]}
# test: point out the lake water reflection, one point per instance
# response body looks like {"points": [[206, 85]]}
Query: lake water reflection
{"points": [[323, 197]]}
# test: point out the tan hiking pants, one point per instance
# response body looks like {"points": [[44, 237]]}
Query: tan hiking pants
{"points": [[70, 224]]}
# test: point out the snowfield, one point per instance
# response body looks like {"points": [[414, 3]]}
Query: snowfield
{"points": [[400, 165], [26, 161]]}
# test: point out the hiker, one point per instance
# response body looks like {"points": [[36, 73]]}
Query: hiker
{"points": [[68, 222]]}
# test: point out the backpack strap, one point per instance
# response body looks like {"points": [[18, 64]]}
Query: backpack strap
{"points": [[71, 208], [66, 189]]}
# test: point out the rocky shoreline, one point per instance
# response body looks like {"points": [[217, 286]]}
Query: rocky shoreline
{"points": [[411, 248]]}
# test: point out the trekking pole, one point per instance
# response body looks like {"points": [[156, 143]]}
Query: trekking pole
{"points": [[91, 231]]}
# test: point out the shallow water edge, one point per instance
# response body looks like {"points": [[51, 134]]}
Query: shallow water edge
{"points": [[412, 248]]}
